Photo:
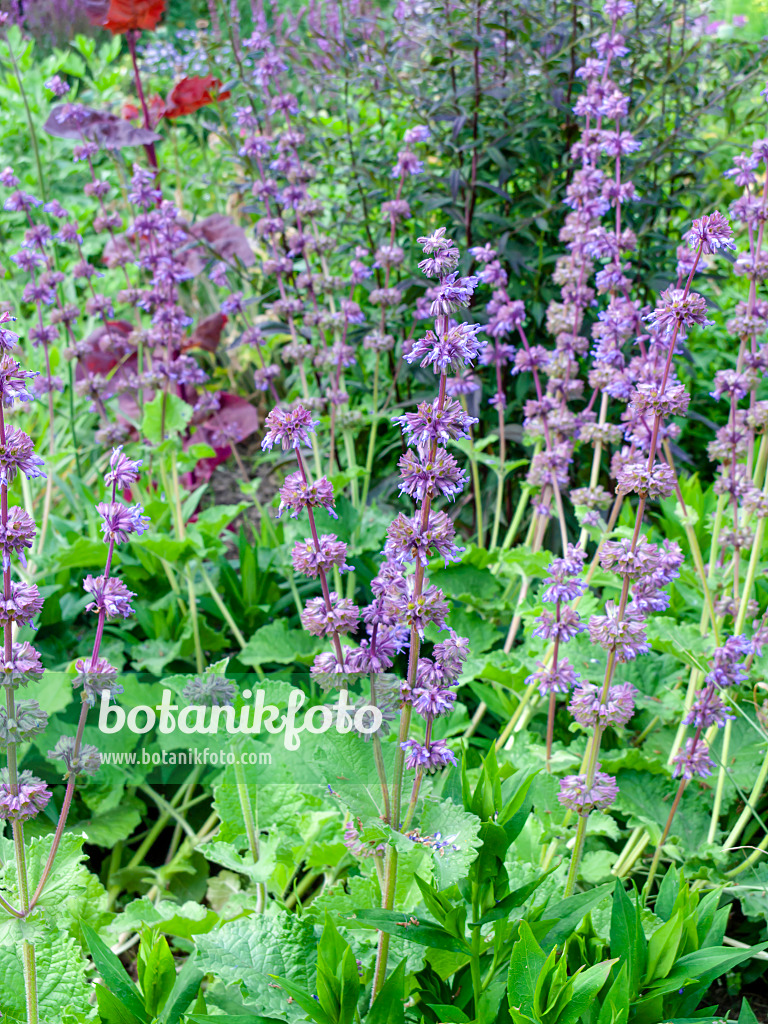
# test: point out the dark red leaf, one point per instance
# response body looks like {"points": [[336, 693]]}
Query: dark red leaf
{"points": [[73, 121], [207, 334], [225, 237]]}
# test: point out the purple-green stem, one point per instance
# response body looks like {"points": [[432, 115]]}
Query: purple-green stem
{"points": [[17, 828], [63, 814], [670, 818], [501, 474], [149, 148], [320, 572], [594, 744], [390, 870]]}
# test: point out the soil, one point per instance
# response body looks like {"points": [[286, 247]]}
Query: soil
{"points": [[756, 995]]}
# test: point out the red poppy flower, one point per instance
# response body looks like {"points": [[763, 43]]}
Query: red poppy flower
{"points": [[129, 15], [192, 93]]}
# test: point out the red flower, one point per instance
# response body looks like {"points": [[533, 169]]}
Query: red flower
{"points": [[129, 15], [192, 93], [156, 105]]}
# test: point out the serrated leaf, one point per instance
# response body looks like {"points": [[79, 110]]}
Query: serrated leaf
{"points": [[227, 856], [61, 985], [278, 643], [459, 830], [680, 639], [250, 950], [181, 920]]}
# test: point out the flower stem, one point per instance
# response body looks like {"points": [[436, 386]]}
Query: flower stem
{"points": [[578, 849], [149, 148], [250, 830], [659, 848]]}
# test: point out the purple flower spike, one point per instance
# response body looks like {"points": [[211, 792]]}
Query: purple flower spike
{"points": [[429, 759], [576, 794], [712, 232], [121, 520], [693, 761], [32, 796], [122, 470], [111, 596], [290, 429]]}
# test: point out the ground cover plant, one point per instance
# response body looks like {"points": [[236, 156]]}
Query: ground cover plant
{"points": [[383, 498]]}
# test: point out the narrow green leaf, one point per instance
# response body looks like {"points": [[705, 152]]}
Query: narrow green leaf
{"points": [[204, 1018], [586, 985], [111, 1010], [114, 974], [516, 898], [747, 1014], [397, 923], [309, 1005], [449, 1014], [525, 965], [567, 915], [628, 941], [703, 966], [350, 987], [389, 1005], [157, 974], [615, 1006], [184, 991]]}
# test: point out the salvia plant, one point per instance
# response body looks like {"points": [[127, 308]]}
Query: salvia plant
{"points": [[383, 492]]}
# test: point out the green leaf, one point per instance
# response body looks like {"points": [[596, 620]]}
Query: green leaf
{"points": [[628, 941], [449, 1014], [615, 1006], [684, 641], [67, 883], [330, 955], [278, 643], [179, 919], [514, 899], [114, 974], [389, 1005], [178, 413], [249, 951], [746, 1014], [395, 922], [250, 1018], [346, 764], [185, 989], [667, 895], [458, 827], [61, 985], [703, 966], [350, 987], [586, 985], [113, 826], [226, 855], [156, 971], [525, 966], [309, 1005], [569, 913], [662, 948], [111, 1010]]}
